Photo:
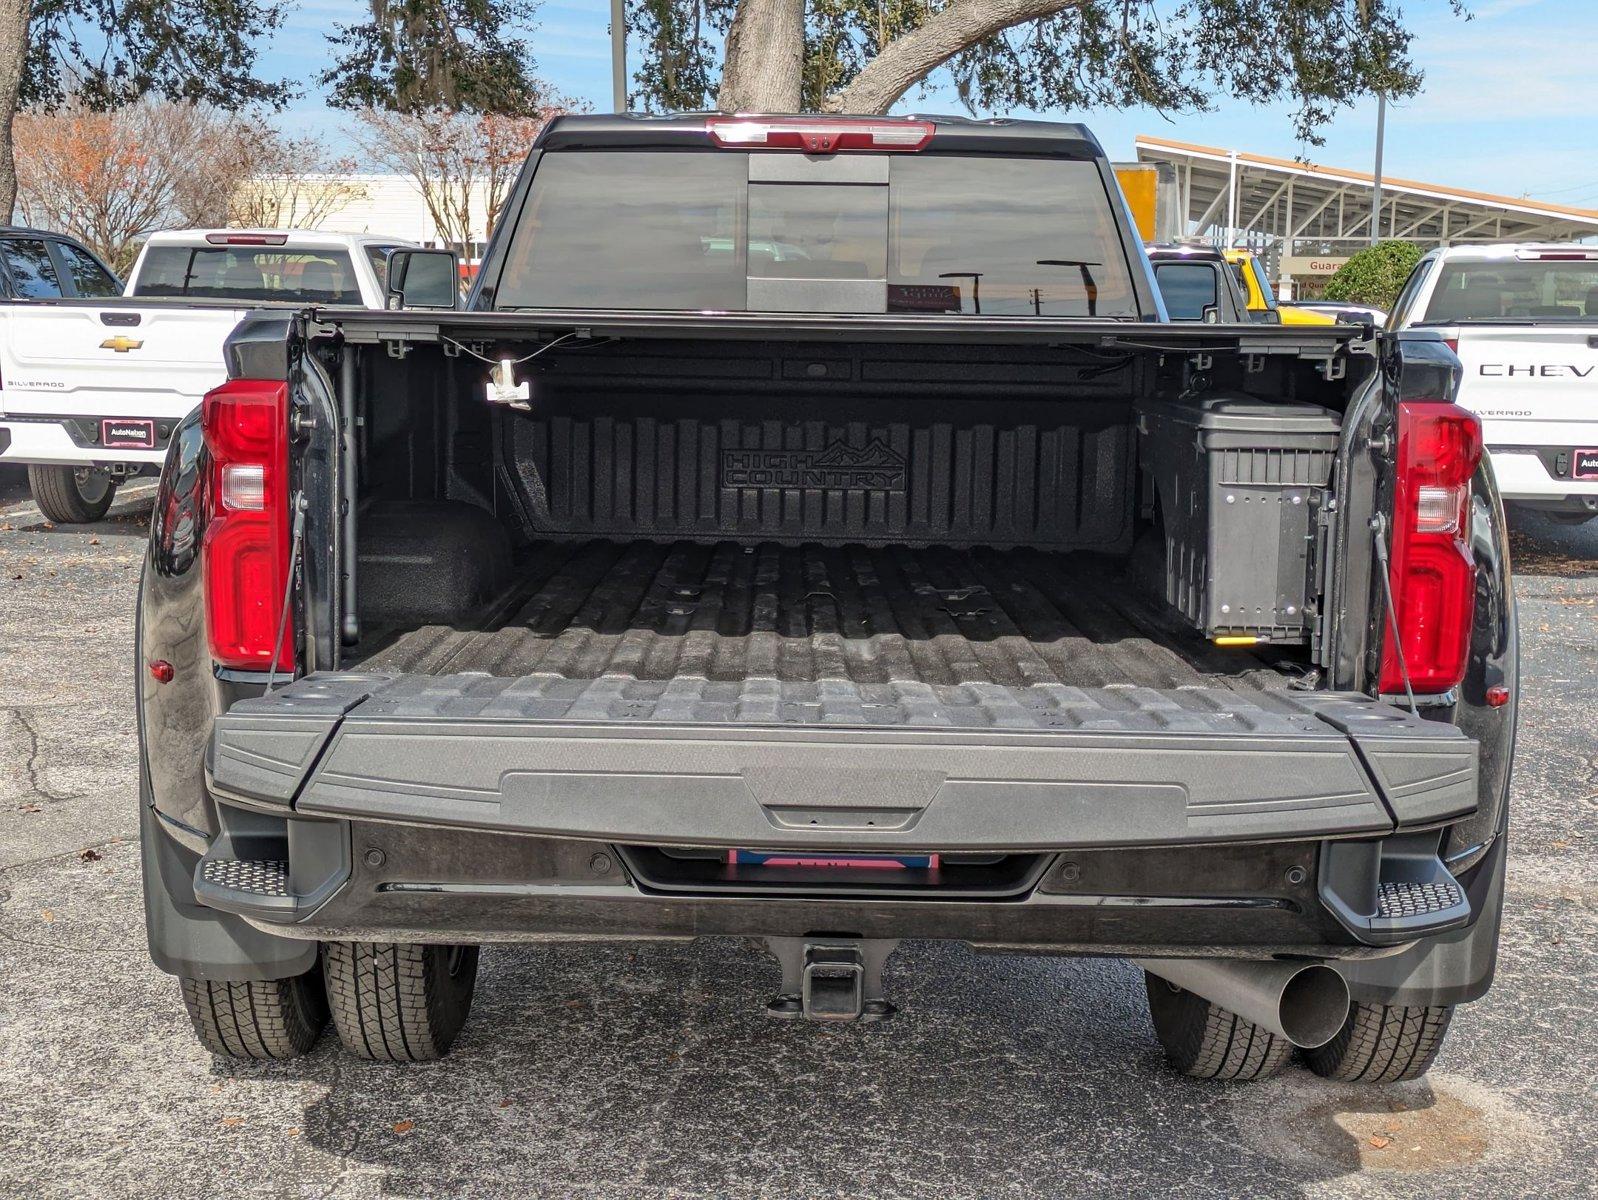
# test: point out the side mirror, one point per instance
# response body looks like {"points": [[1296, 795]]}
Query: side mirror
{"points": [[1212, 314], [423, 279], [1267, 316]]}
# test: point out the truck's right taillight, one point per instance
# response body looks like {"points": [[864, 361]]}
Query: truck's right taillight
{"points": [[1433, 573], [246, 547]]}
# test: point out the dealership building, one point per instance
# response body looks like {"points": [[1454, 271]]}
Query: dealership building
{"points": [[1307, 219]]}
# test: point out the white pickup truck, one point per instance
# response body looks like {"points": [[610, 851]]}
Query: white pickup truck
{"points": [[91, 390], [1524, 321]]}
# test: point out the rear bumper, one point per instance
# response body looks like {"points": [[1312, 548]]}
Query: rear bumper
{"points": [[915, 769], [50, 443], [1544, 473], [468, 808]]}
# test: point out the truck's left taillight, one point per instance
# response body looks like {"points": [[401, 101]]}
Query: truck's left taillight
{"points": [[246, 548], [1433, 571]]}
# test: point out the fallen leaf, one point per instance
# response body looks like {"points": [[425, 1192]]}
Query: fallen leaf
{"points": [[31, 808], [504, 1103], [90, 854], [46, 915], [232, 1122], [1380, 1142], [403, 1127], [94, 541], [294, 1132]]}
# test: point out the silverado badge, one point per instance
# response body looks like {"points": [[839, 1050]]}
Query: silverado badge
{"points": [[121, 343]]}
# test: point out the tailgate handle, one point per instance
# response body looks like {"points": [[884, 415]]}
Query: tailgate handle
{"points": [[119, 318]]}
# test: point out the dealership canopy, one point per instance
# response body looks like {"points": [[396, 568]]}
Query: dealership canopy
{"points": [[1301, 210]]}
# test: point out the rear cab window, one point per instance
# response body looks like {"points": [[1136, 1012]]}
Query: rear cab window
{"points": [[1189, 289], [242, 272], [1552, 288], [723, 230]]}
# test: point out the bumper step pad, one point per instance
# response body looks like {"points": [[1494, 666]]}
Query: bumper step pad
{"points": [[761, 764], [1407, 898], [253, 876]]}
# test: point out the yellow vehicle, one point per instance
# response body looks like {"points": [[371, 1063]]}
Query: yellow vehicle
{"points": [[1257, 287]]}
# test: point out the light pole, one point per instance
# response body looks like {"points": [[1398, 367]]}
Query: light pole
{"points": [[618, 55], [1376, 187], [1367, 16]]}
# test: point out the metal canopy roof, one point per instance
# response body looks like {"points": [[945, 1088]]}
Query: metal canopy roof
{"points": [[1301, 208]]}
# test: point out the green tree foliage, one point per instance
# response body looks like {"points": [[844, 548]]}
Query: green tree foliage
{"points": [[107, 53], [1374, 275], [1065, 54], [413, 56]]}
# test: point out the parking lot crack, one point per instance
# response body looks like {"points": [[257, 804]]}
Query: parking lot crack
{"points": [[30, 760]]}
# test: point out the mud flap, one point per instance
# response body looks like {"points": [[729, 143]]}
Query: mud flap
{"points": [[1451, 968], [188, 939]]}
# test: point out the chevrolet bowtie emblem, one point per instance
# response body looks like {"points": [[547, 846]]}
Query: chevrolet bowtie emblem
{"points": [[121, 344]]}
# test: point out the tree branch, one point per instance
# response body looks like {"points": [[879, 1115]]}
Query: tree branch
{"points": [[910, 58]]}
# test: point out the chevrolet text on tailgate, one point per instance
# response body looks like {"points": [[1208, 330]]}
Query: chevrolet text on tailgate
{"points": [[813, 530]]}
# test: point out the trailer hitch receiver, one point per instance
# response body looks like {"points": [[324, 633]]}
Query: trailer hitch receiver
{"points": [[831, 978]]}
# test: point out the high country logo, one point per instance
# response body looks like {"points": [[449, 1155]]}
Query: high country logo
{"points": [[839, 467]]}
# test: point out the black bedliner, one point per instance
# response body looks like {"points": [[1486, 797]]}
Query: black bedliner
{"points": [[866, 615]]}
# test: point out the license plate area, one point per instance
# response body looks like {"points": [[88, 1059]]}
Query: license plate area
{"points": [[127, 433], [823, 873], [1584, 463]]}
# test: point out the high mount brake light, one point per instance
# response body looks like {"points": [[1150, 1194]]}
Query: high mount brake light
{"points": [[818, 135], [1433, 573], [247, 239], [246, 544]]}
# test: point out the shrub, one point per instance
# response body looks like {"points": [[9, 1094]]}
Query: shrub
{"points": [[1374, 275]]}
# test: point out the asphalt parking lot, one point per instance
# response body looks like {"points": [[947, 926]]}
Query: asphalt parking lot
{"points": [[612, 1070]]}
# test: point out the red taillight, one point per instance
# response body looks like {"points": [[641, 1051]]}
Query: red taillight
{"points": [[1433, 573], [817, 135], [1452, 343], [245, 422]]}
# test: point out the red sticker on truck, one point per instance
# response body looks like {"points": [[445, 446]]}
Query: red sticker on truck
{"points": [[1586, 464]]}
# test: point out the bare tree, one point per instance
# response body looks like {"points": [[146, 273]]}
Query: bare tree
{"points": [[461, 163], [104, 54], [111, 178], [290, 183]]}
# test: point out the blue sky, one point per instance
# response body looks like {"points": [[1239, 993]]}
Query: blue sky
{"points": [[1510, 103]]}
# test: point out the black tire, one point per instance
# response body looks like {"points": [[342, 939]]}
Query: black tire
{"points": [[268, 1019], [71, 495], [399, 1002], [1383, 1043], [1207, 1041]]}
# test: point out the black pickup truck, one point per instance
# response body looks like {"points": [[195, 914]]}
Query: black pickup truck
{"points": [[813, 530]]}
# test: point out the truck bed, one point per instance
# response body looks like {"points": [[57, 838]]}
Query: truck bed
{"points": [[726, 612]]}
